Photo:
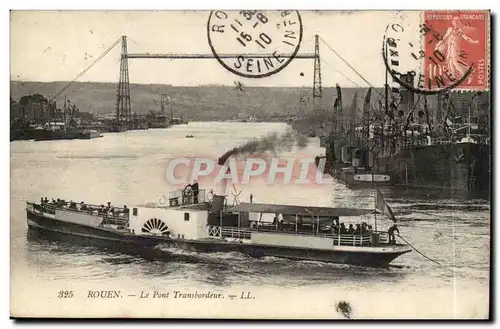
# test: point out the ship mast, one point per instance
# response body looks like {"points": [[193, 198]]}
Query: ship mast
{"points": [[64, 113], [162, 103], [468, 120], [426, 109], [171, 111], [353, 118], [386, 99], [366, 119], [375, 199]]}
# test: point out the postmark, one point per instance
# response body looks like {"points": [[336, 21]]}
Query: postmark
{"points": [[435, 51], [253, 43]]}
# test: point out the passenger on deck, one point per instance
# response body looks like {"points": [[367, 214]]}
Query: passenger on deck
{"points": [[343, 230], [186, 194], [351, 229], [335, 228], [392, 238], [46, 200], [41, 200], [125, 209], [275, 219], [83, 206], [281, 223], [358, 229], [72, 205], [196, 191], [336, 220], [364, 228], [53, 201]]}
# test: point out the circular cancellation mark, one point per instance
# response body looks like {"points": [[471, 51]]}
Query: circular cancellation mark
{"points": [[252, 43], [440, 50]]}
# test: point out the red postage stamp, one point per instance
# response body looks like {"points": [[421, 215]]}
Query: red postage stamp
{"points": [[460, 48]]}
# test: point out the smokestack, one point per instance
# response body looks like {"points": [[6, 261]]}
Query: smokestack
{"points": [[220, 190]]}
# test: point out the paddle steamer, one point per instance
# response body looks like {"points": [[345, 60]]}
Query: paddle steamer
{"points": [[203, 222]]}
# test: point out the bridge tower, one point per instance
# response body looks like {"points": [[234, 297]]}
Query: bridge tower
{"points": [[317, 89], [123, 107], [317, 126]]}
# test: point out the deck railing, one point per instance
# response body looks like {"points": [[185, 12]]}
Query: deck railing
{"points": [[383, 237], [229, 232], [365, 239], [186, 197], [420, 142], [352, 240], [49, 208], [409, 143]]}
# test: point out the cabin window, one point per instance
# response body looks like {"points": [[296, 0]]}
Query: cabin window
{"points": [[186, 217], [134, 212]]}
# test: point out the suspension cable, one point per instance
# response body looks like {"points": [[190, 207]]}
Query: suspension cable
{"points": [[347, 63], [338, 71], [87, 69]]}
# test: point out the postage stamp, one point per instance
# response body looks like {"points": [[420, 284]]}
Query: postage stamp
{"points": [[252, 43], [440, 50], [463, 43], [253, 164]]}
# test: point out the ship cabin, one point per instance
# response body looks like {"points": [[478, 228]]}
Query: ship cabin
{"points": [[208, 216], [303, 225]]}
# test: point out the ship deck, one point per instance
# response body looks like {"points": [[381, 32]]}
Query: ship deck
{"points": [[299, 210]]}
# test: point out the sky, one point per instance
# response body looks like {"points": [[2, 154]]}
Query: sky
{"points": [[58, 45]]}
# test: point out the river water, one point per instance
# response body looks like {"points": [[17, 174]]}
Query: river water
{"points": [[129, 168]]}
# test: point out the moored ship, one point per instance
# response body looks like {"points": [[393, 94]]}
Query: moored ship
{"points": [[459, 165], [49, 133], [441, 146], [350, 156]]}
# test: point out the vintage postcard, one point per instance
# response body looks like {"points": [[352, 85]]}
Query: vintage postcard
{"points": [[250, 164]]}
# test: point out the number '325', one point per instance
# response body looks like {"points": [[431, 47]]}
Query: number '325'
{"points": [[65, 294]]}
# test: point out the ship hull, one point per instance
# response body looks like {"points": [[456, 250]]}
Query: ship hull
{"points": [[47, 135], [22, 134], [64, 229], [353, 178], [458, 167], [454, 167], [158, 125], [362, 180], [362, 258]]}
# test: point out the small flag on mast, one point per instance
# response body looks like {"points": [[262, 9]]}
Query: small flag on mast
{"points": [[384, 208]]}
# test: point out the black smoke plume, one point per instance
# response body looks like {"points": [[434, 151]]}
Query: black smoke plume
{"points": [[272, 143]]}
